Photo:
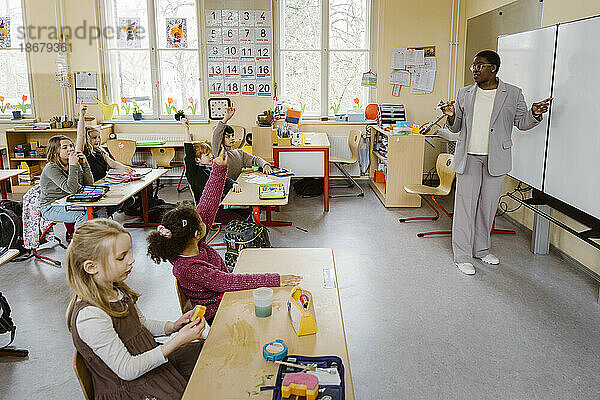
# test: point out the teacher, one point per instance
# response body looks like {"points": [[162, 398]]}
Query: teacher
{"points": [[483, 114]]}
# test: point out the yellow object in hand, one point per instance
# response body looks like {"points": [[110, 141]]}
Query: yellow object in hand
{"points": [[198, 312]]}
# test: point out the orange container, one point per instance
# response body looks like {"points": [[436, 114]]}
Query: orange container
{"points": [[379, 176]]}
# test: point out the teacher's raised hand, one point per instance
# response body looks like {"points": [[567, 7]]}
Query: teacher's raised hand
{"points": [[541, 107]]}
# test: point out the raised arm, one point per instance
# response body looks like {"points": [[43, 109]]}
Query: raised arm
{"points": [[80, 141], [219, 131], [208, 204]]}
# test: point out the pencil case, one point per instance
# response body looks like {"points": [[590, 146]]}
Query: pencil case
{"points": [[335, 392]]}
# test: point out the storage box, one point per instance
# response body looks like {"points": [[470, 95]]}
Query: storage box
{"points": [[379, 176]]}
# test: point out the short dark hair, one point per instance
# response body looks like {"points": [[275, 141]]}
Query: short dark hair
{"points": [[228, 129], [491, 56]]}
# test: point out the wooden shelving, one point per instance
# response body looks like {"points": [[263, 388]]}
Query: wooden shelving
{"points": [[19, 136], [404, 163]]}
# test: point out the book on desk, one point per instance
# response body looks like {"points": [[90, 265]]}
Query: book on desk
{"points": [[269, 191]]}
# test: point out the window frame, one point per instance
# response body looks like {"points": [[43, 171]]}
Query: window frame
{"points": [[154, 58], [325, 51], [32, 114]]}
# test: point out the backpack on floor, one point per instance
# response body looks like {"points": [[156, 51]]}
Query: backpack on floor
{"points": [[11, 226], [242, 235], [6, 323], [309, 187]]}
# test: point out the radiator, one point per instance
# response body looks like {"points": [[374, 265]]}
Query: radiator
{"points": [[339, 148]]}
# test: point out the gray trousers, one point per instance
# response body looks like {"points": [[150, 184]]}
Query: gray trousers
{"points": [[475, 204]]}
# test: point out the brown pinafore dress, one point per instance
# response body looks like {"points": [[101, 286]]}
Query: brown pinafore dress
{"points": [[165, 382]]}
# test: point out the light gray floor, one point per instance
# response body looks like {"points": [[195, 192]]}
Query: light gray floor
{"points": [[416, 327]]}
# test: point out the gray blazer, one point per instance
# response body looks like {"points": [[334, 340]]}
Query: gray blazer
{"points": [[509, 109]]}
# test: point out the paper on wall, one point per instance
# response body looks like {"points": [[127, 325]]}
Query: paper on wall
{"points": [[430, 64], [400, 77], [398, 58], [423, 79], [415, 57]]}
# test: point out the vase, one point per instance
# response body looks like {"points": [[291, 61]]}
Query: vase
{"points": [[137, 116], [16, 114]]}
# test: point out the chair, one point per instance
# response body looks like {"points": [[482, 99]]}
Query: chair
{"points": [[353, 141], [36, 229], [239, 133], [446, 174], [184, 303], [84, 376], [163, 156], [122, 150]]}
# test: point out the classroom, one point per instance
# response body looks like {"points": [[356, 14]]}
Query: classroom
{"points": [[299, 199]]}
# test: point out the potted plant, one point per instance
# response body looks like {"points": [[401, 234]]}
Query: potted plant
{"points": [[179, 114], [137, 113], [16, 112]]}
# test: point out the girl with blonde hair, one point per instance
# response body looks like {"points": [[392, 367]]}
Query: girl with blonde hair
{"points": [[111, 333]]}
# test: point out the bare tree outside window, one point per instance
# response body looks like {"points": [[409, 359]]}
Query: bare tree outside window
{"points": [[14, 70], [301, 47]]}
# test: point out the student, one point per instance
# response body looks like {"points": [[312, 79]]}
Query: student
{"points": [[198, 157], [88, 142], [65, 173], [111, 333], [199, 269], [223, 137]]}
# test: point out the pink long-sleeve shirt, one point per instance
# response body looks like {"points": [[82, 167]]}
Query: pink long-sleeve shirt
{"points": [[204, 277]]}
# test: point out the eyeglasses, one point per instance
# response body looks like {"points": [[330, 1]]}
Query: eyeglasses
{"points": [[478, 67]]}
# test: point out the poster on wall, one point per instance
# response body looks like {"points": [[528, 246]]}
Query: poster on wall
{"points": [[239, 45], [4, 32], [129, 36], [176, 31]]}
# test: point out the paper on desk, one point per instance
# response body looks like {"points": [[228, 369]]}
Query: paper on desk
{"points": [[398, 57], [259, 180], [400, 77]]}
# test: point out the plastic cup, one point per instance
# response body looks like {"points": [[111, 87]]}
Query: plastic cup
{"points": [[263, 301]]}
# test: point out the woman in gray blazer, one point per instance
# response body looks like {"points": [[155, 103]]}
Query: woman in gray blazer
{"points": [[483, 114]]}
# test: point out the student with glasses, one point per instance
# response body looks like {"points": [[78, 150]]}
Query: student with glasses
{"points": [[223, 136], [483, 114]]}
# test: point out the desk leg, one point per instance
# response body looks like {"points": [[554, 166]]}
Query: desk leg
{"points": [[326, 179], [3, 188], [268, 221], [146, 222], [90, 213]]}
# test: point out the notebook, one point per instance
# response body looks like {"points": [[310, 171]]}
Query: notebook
{"points": [[271, 191]]}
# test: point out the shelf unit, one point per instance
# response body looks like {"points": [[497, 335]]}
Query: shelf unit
{"points": [[404, 163], [15, 137]]}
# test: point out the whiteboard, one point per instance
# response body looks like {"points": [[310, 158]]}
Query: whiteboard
{"points": [[526, 62], [573, 160]]}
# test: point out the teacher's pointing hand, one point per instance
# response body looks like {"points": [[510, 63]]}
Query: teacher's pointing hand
{"points": [[541, 107]]}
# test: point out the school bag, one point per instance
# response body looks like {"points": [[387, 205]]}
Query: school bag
{"points": [[6, 322], [309, 187], [11, 226], [241, 235]]}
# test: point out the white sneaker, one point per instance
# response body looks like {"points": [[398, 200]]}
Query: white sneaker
{"points": [[490, 259], [466, 268]]}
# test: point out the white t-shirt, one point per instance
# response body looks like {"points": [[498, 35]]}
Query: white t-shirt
{"points": [[482, 115]]}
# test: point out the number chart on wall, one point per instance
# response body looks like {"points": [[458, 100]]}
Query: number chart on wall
{"points": [[239, 46]]}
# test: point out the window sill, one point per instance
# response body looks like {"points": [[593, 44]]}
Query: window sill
{"points": [[155, 121], [333, 122], [17, 121]]}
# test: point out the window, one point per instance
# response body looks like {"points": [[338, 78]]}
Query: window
{"points": [[156, 65], [323, 52], [15, 91]]}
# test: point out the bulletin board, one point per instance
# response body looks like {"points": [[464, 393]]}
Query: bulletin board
{"points": [[239, 48]]}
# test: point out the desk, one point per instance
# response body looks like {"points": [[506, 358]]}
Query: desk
{"points": [[231, 362], [6, 174], [249, 197], [318, 142], [118, 194]]}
